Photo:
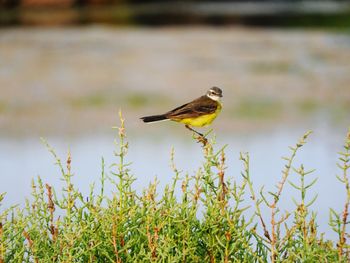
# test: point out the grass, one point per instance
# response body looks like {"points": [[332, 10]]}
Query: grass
{"points": [[103, 99], [3, 106], [207, 222], [276, 67], [259, 108]]}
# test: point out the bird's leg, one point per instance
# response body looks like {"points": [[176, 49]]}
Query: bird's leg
{"points": [[201, 137], [188, 127]]}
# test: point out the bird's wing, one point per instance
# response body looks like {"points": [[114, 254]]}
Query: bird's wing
{"points": [[196, 108]]}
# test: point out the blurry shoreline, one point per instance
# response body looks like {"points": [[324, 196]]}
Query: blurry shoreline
{"points": [[328, 14], [74, 80]]}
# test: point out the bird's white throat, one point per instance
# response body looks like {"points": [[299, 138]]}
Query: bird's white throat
{"points": [[214, 97]]}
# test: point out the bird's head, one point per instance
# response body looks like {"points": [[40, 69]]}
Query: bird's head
{"points": [[214, 93]]}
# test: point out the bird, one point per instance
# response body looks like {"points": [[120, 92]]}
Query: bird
{"points": [[197, 113]]}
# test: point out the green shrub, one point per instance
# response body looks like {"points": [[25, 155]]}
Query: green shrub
{"points": [[206, 223]]}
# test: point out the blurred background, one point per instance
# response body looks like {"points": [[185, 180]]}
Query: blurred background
{"points": [[68, 66]]}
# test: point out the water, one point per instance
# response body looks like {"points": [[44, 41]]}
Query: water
{"points": [[21, 160]]}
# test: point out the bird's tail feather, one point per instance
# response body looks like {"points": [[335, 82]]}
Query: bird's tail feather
{"points": [[154, 118]]}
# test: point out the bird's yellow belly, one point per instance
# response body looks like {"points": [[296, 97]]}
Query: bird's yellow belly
{"points": [[201, 120]]}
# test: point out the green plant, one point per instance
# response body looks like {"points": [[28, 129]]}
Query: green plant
{"points": [[339, 221], [207, 222]]}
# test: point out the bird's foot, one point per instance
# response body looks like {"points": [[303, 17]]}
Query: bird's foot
{"points": [[200, 138]]}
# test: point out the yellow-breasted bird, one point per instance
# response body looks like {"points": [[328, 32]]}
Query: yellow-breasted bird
{"points": [[198, 113]]}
